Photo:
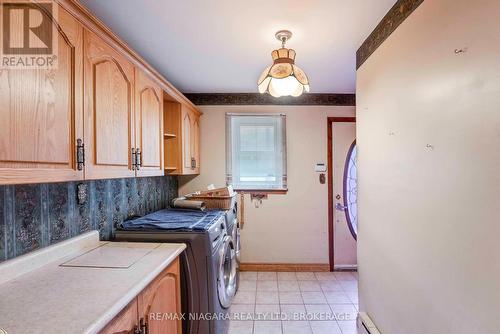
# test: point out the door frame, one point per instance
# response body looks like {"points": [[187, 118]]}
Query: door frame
{"points": [[331, 209]]}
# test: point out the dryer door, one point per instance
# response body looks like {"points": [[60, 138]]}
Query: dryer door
{"points": [[226, 276]]}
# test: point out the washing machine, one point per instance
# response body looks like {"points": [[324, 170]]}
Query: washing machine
{"points": [[208, 265]]}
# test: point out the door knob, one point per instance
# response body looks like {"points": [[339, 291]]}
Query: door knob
{"points": [[340, 207]]}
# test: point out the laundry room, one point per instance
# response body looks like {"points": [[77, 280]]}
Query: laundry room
{"points": [[249, 167]]}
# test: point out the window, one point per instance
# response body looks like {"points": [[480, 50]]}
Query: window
{"points": [[256, 151], [351, 190]]}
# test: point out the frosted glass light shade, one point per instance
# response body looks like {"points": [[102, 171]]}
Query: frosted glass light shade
{"points": [[283, 78]]}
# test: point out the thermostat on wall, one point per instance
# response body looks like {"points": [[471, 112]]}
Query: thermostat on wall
{"points": [[320, 168]]}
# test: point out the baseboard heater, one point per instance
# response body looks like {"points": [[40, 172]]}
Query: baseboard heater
{"points": [[366, 325], [346, 267]]}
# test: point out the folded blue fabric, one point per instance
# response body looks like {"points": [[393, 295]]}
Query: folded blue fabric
{"points": [[174, 219]]}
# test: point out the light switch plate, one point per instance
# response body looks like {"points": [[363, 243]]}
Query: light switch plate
{"points": [[320, 168]]}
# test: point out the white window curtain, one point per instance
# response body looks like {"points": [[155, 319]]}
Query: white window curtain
{"points": [[256, 151]]}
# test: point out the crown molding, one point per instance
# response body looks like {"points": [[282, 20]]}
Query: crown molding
{"points": [[308, 99], [396, 15]]}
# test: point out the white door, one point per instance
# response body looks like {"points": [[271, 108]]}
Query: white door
{"points": [[344, 194]]}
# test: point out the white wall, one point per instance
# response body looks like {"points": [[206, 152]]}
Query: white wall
{"points": [[291, 228], [429, 230]]}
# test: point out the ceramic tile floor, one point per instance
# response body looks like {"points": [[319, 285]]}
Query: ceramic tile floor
{"points": [[295, 303]]}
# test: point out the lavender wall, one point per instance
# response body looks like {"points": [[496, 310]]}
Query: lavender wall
{"points": [[38, 215]]}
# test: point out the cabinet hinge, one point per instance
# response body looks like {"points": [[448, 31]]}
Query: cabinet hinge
{"points": [[80, 154], [193, 163]]}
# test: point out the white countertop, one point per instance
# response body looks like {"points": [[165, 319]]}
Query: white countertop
{"points": [[38, 295]]}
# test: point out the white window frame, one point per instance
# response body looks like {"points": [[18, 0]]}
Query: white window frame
{"points": [[230, 163]]}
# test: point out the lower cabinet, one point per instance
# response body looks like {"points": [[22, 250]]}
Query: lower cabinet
{"points": [[155, 310], [125, 321]]}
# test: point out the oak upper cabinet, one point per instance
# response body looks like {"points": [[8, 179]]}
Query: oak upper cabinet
{"points": [[187, 139], [191, 140], [98, 114], [161, 297], [41, 113], [125, 322], [109, 111], [195, 141], [148, 126], [182, 139]]}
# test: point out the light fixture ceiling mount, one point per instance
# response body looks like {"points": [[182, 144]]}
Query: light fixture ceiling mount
{"points": [[283, 77], [283, 36]]}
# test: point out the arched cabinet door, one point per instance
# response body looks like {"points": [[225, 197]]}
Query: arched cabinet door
{"points": [[41, 113], [182, 148], [195, 145], [162, 297], [109, 111], [149, 125], [125, 322], [186, 140]]}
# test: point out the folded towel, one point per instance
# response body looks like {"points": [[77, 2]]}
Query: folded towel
{"points": [[173, 219]]}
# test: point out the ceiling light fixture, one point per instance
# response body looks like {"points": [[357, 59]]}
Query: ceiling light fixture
{"points": [[283, 77]]}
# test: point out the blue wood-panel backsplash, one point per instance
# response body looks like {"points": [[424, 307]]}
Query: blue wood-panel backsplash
{"points": [[38, 215]]}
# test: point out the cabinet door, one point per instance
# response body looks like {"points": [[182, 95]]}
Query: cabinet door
{"points": [[195, 143], [125, 322], [109, 108], [41, 113], [187, 137], [160, 299], [149, 125]]}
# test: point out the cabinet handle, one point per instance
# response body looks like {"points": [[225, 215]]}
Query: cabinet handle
{"points": [[138, 155], [80, 154], [143, 326], [134, 159], [193, 163]]}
